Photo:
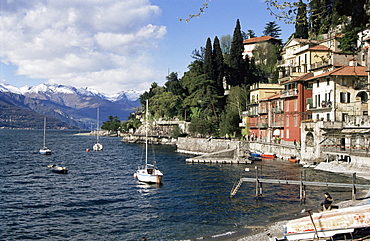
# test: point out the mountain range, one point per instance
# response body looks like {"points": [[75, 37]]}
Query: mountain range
{"points": [[64, 106]]}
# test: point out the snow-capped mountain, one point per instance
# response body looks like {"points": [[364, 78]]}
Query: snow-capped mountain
{"points": [[76, 106]]}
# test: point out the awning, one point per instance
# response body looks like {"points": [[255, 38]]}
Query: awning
{"points": [[276, 132]]}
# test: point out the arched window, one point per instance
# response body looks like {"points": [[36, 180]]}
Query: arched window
{"points": [[309, 139], [363, 96]]}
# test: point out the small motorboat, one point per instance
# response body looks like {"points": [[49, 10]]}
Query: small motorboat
{"points": [[268, 156], [58, 169], [255, 154], [293, 159], [254, 158]]}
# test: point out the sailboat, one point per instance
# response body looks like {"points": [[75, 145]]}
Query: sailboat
{"points": [[149, 173], [97, 146], [44, 150]]}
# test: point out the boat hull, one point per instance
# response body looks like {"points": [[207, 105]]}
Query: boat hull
{"points": [[329, 223], [149, 175], [58, 169], [268, 156], [45, 151], [98, 147]]}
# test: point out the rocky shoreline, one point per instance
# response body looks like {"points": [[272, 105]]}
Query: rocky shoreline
{"points": [[277, 230]]}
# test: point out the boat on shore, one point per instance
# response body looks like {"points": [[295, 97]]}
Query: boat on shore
{"points": [[58, 169], [349, 221]]}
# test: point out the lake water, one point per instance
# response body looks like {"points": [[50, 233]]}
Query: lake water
{"points": [[100, 200]]}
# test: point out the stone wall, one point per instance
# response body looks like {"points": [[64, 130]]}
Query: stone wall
{"points": [[203, 145]]}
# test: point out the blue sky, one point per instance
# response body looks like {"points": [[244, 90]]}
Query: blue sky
{"points": [[114, 45]]}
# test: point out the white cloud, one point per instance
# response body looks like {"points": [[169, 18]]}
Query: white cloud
{"points": [[104, 44]]}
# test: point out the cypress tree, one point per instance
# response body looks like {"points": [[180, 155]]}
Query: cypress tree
{"points": [[218, 66], [301, 25], [208, 60], [236, 62]]}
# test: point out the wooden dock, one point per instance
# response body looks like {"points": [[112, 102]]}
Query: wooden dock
{"points": [[302, 183], [217, 161]]}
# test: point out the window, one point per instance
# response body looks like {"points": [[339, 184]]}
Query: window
{"points": [[317, 117], [328, 117], [328, 81], [295, 104], [295, 120], [365, 112], [318, 83], [345, 97], [287, 121], [287, 105]]}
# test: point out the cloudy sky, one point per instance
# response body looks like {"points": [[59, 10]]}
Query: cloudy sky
{"points": [[113, 45]]}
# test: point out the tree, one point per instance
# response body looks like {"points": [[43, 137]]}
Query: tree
{"points": [[218, 66], [208, 60], [251, 34], [173, 84], [272, 29], [113, 124], [236, 103], [301, 24], [236, 62]]}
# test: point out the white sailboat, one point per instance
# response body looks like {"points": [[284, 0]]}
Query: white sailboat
{"points": [[97, 146], [149, 173], [44, 150]]}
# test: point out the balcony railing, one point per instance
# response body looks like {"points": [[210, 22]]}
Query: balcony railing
{"points": [[261, 125], [289, 93]]}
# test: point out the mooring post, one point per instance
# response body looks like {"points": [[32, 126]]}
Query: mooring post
{"points": [[302, 189], [257, 184], [354, 186]]}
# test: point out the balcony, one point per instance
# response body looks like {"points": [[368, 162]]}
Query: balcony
{"points": [[338, 125], [324, 106], [321, 64], [262, 110], [261, 125], [277, 110], [289, 93], [277, 124]]}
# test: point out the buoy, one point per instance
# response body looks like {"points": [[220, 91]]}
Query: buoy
{"points": [[87, 149]]}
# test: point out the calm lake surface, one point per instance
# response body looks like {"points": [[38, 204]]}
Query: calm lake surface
{"points": [[100, 200]]}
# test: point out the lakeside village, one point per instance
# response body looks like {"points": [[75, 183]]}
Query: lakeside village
{"points": [[317, 112]]}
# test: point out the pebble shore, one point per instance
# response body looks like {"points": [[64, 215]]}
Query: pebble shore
{"points": [[277, 230]]}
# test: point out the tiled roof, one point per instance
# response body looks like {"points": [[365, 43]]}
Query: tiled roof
{"points": [[344, 71], [275, 96], [259, 39], [319, 47], [300, 78]]}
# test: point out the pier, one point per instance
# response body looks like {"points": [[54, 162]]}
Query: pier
{"points": [[302, 183]]}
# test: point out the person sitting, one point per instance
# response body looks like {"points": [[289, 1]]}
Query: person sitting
{"points": [[326, 204]]}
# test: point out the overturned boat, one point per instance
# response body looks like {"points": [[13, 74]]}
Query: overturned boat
{"points": [[346, 221]]}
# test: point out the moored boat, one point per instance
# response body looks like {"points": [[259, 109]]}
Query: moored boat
{"points": [[44, 150], [58, 169], [268, 156], [293, 159], [329, 223], [149, 173], [255, 154]]}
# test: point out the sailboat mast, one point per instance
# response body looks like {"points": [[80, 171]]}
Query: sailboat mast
{"points": [[97, 125], [44, 131], [146, 133]]}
